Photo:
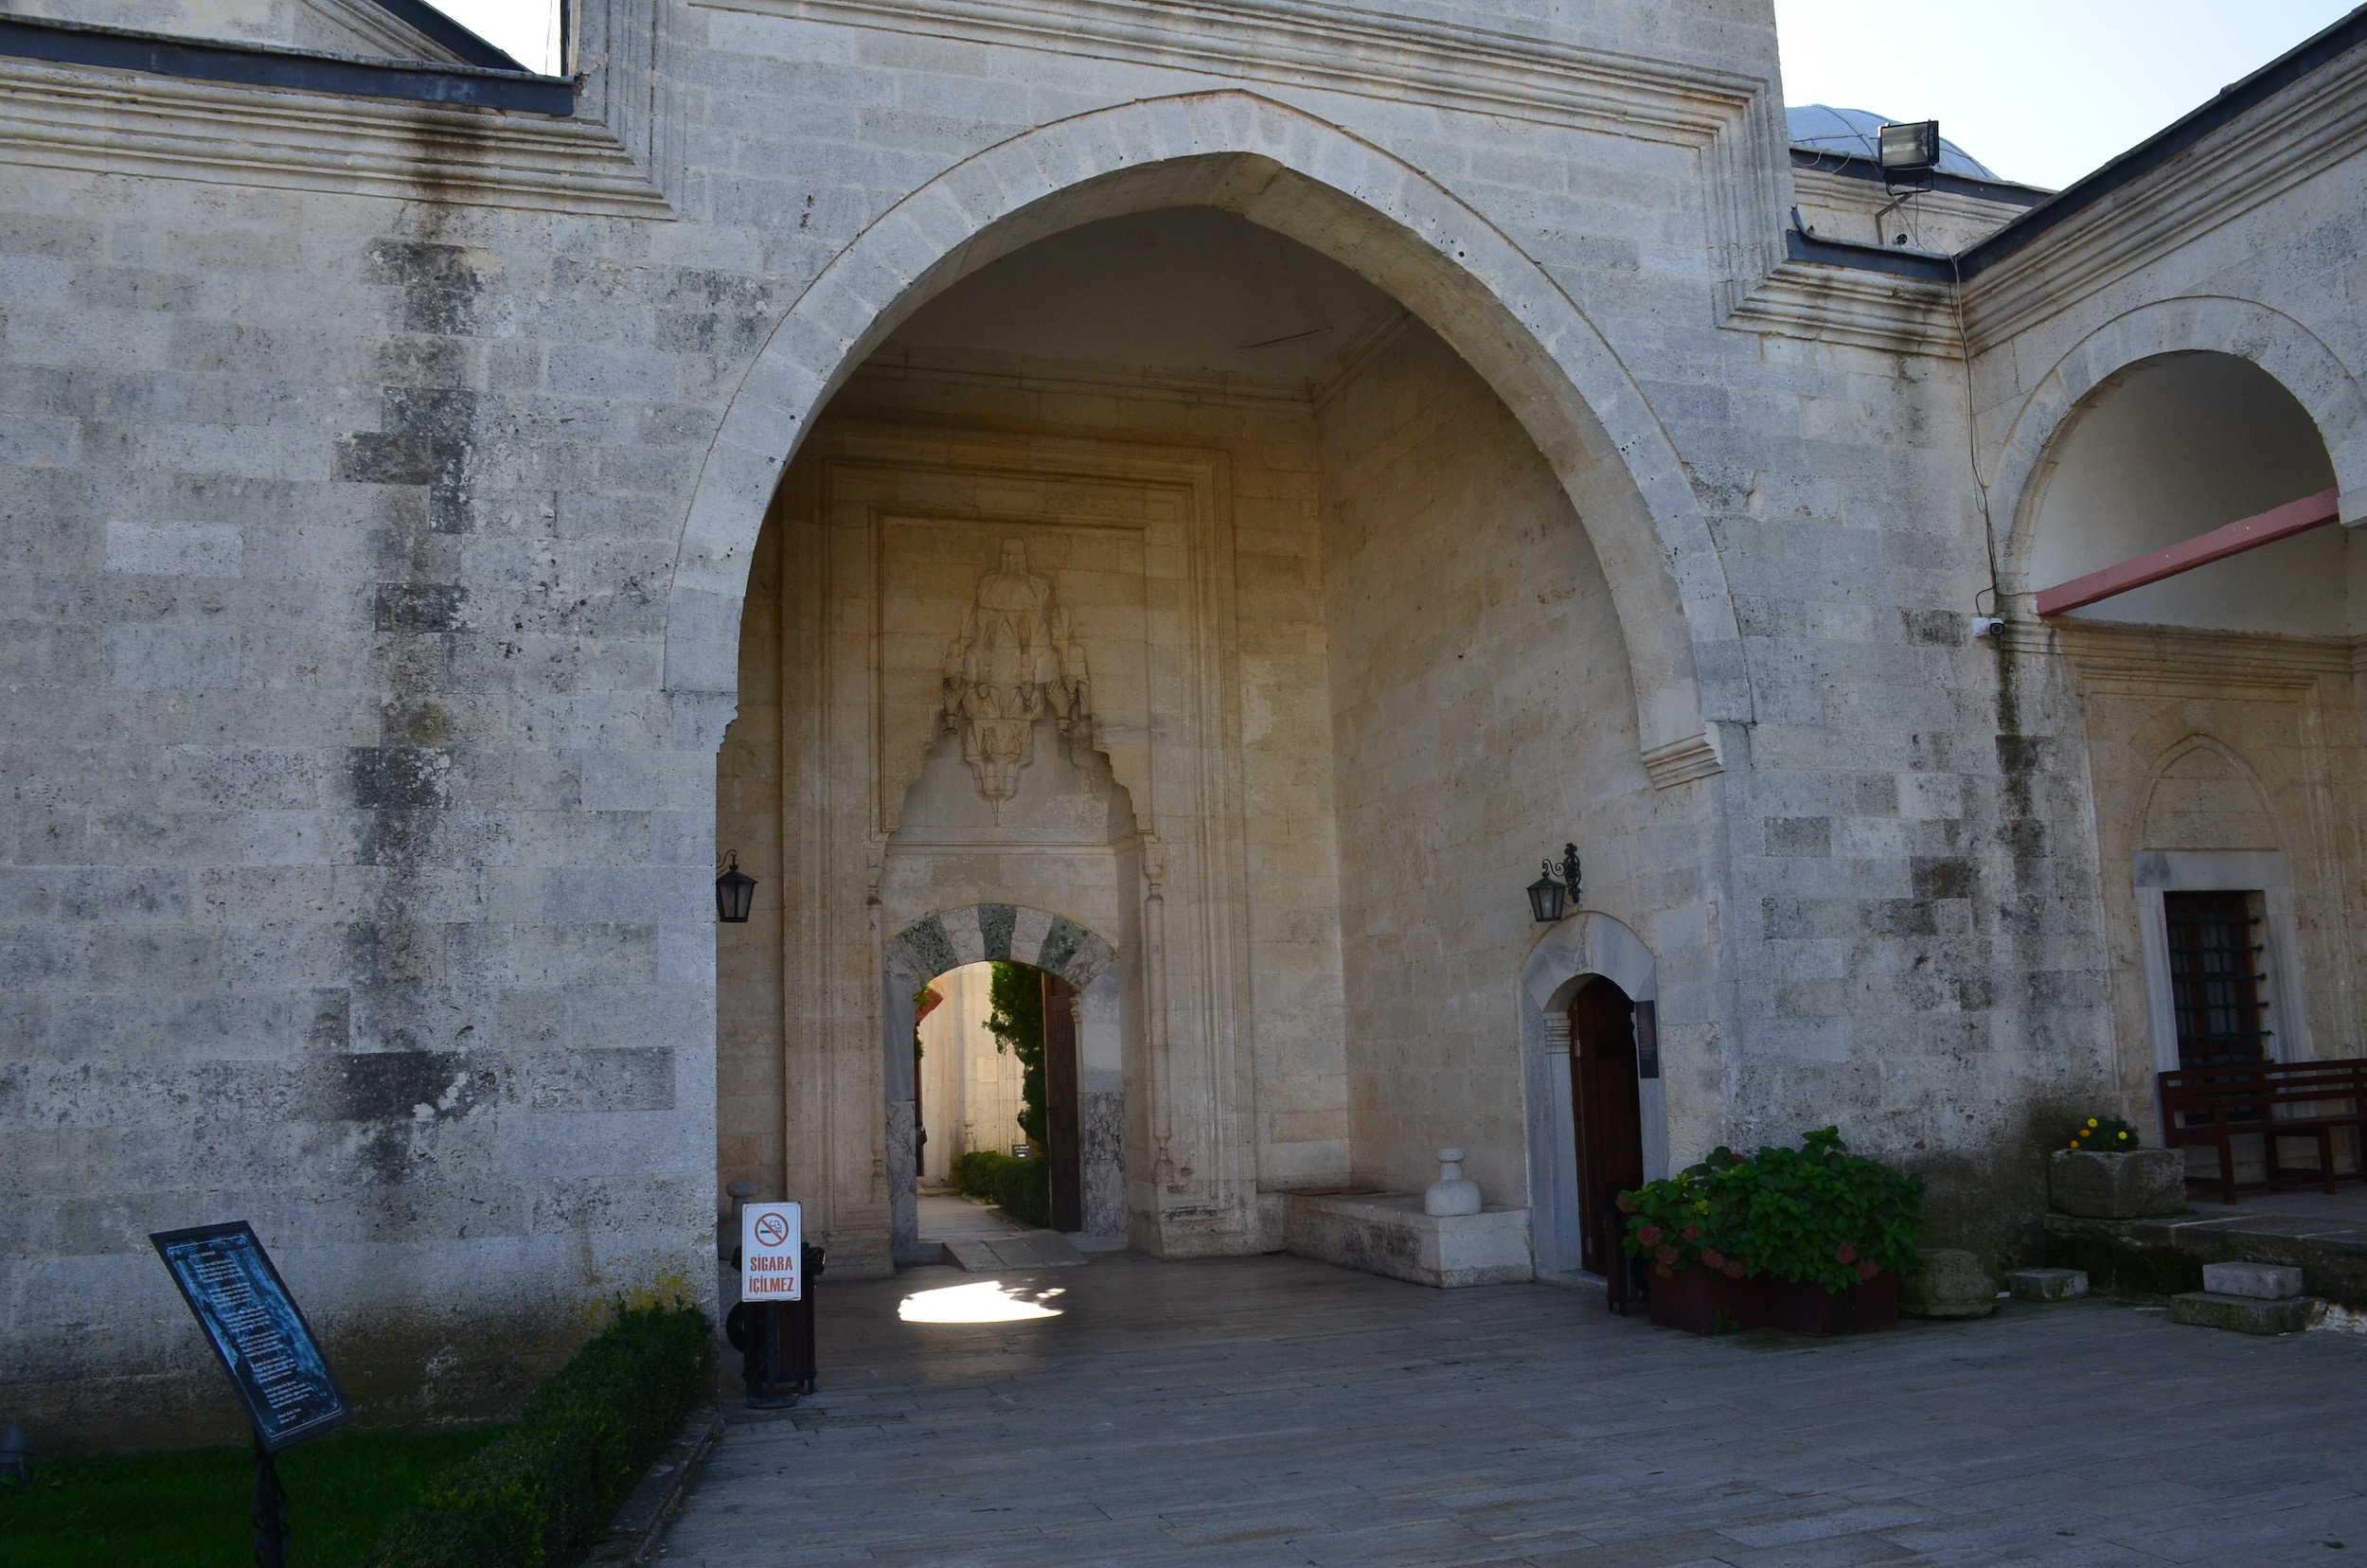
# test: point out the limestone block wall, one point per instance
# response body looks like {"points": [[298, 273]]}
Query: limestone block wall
{"points": [[2240, 757], [353, 884], [1839, 205], [1483, 715], [2252, 247]]}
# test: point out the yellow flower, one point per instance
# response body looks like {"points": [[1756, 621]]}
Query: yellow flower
{"points": [[2091, 1121], [2123, 1136]]}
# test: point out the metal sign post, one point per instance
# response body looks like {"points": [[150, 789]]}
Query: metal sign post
{"points": [[267, 1350]]}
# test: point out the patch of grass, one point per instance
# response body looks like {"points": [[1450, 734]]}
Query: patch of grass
{"points": [[187, 1510]]}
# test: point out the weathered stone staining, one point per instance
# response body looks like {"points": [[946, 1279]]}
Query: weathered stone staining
{"points": [[2141, 1184], [1947, 1282], [1347, 457]]}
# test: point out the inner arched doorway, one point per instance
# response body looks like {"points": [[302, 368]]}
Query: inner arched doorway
{"points": [[1590, 1004], [1082, 1013], [996, 1062]]}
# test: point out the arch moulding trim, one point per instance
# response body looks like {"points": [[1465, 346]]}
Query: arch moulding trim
{"points": [[2285, 347], [1313, 181], [1006, 932]]}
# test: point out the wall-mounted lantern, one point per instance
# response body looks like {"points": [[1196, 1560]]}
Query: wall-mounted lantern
{"points": [[1554, 895], [734, 890]]}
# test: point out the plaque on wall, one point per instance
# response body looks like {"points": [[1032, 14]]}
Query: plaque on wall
{"points": [[256, 1329], [1646, 1041]]}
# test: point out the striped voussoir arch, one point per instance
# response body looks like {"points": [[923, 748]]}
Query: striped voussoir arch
{"points": [[1011, 933]]}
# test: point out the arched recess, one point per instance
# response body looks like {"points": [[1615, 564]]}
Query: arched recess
{"points": [[1344, 197], [1059, 946], [2287, 350], [2222, 838], [1585, 945]]}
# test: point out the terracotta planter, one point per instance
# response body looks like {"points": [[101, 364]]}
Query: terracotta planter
{"points": [[2098, 1185], [1703, 1301]]}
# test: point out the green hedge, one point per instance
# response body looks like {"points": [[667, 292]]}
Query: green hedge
{"points": [[977, 1172], [1024, 1187], [541, 1496]]}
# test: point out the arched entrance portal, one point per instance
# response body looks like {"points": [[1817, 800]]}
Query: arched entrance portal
{"points": [[1233, 557], [2217, 691], [1087, 988]]}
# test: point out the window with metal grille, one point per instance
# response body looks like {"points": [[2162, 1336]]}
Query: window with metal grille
{"points": [[2217, 966]]}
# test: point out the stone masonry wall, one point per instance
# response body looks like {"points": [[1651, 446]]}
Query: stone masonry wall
{"points": [[365, 648], [1483, 715]]}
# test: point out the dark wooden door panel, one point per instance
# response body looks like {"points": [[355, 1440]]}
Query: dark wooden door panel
{"points": [[1059, 1098], [1610, 1116]]}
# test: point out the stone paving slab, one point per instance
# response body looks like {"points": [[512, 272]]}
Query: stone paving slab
{"points": [[949, 1217], [1276, 1411], [1020, 1251]]}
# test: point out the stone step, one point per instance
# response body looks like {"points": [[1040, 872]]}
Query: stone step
{"points": [[2261, 1281], [2047, 1284], [2243, 1315], [1037, 1249]]}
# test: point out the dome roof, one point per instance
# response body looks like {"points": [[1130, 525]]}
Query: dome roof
{"points": [[1853, 132]]}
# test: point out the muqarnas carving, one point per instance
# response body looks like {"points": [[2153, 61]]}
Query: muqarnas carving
{"points": [[1016, 660]]}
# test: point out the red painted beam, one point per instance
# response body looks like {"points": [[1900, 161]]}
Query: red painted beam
{"points": [[2311, 511]]}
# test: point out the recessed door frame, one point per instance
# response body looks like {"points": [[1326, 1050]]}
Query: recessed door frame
{"points": [[1585, 945]]}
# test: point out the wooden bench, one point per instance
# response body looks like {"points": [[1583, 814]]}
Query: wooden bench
{"points": [[2215, 1106]]}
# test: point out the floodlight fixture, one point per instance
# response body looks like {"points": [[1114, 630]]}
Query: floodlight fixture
{"points": [[1908, 151]]}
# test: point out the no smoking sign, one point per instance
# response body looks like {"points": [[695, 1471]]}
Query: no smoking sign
{"points": [[770, 1238]]}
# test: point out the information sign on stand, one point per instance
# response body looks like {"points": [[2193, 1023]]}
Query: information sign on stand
{"points": [[256, 1328], [267, 1348], [771, 1236]]}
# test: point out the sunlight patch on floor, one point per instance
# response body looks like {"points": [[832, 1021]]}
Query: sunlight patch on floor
{"points": [[986, 1301]]}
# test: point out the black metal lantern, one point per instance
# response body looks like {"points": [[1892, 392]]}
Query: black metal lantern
{"points": [[1552, 895], [734, 890]]}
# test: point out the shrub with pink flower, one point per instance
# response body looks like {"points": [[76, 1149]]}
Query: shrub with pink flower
{"points": [[1815, 1215]]}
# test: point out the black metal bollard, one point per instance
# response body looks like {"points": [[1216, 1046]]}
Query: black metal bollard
{"points": [[776, 1340]]}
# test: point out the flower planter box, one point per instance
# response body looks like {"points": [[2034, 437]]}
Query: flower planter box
{"points": [[2097, 1183], [1693, 1300], [1703, 1301], [1813, 1309]]}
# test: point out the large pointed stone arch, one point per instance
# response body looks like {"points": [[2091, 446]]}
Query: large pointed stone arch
{"points": [[1344, 197]]}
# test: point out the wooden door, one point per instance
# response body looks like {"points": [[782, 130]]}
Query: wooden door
{"points": [[1062, 1158], [1610, 1117]]}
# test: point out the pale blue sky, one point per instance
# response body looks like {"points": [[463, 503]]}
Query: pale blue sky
{"points": [[2042, 91]]}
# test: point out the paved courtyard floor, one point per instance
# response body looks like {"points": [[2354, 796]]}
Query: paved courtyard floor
{"points": [[1273, 1411]]}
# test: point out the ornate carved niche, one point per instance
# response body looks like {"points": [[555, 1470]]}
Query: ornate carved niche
{"points": [[1014, 660]]}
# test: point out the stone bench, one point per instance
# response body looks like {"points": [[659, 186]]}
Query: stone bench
{"points": [[1387, 1233]]}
